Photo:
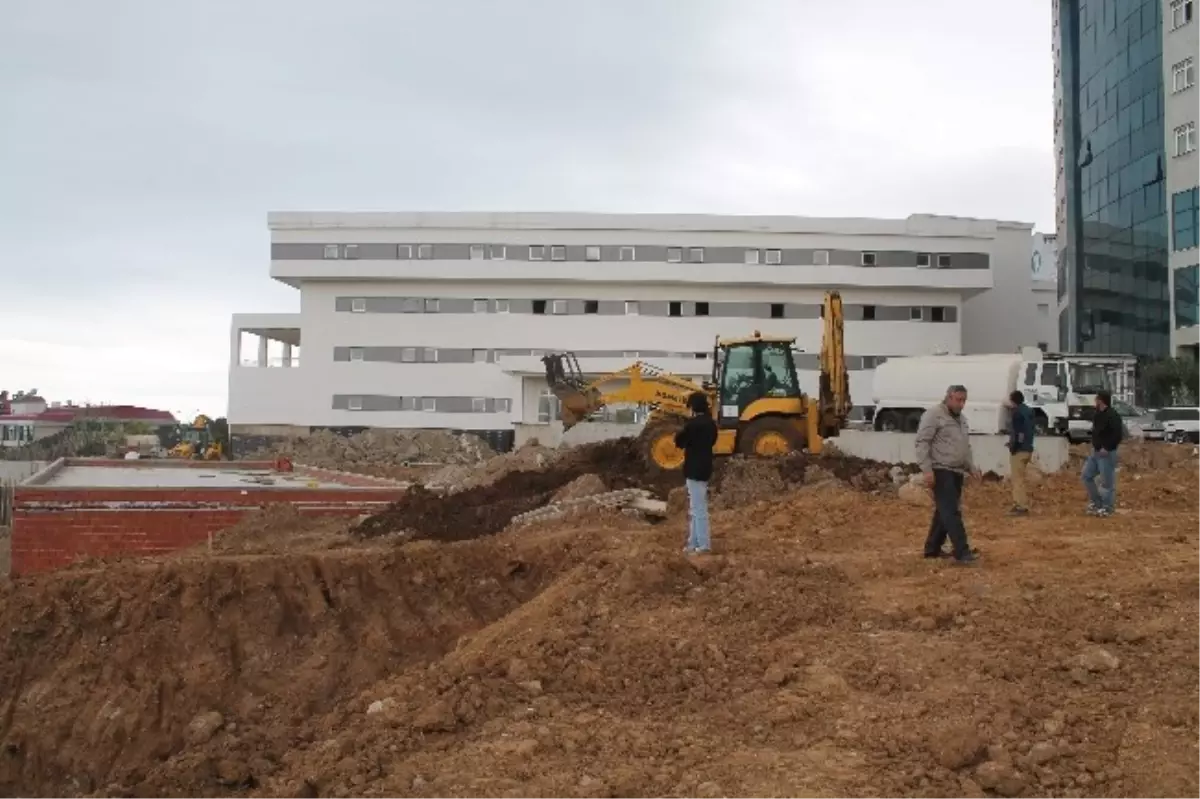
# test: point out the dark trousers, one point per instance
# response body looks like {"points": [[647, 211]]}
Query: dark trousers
{"points": [[947, 514]]}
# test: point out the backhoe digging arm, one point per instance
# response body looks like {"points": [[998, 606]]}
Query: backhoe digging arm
{"points": [[640, 384], [834, 401]]}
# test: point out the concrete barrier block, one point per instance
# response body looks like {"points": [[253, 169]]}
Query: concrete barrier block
{"points": [[989, 451]]}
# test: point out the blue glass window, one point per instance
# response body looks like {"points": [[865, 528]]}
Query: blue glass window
{"points": [[1183, 219], [1186, 296]]}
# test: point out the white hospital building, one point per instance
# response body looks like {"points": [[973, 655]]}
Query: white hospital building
{"points": [[438, 320]]}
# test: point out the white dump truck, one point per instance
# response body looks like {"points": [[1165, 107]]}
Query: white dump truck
{"points": [[1061, 389]]}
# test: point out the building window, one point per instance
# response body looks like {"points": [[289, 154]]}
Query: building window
{"points": [[558, 307], [478, 405], [354, 403], [1044, 309], [868, 259], [411, 305], [1186, 296], [501, 306], [628, 254], [915, 314], [358, 305], [592, 253], [331, 252], [923, 260], [537, 253], [408, 355], [351, 251], [937, 314], [631, 308], [1183, 75], [1184, 219], [539, 307], [777, 310], [774, 257], [751, 256], [425, 252], [674, 309], [429, 355], [820, 257], [868, 313], [702, 309], [1185, 138], [429, 404], [503, 405], [479, 306], [944, 261], [477, 251], [356, 353], [696, 255], [404, 252], [479, 356], [591, 306], [432, 305], [1181, 13], [547, 407], [558, 253], [498, 252], [674, 255]]}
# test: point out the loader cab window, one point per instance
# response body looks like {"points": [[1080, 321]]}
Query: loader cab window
{"points": [[779, 373], [737, 379]]}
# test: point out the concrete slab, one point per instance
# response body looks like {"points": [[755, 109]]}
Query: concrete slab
{"points": [[990, 452], [109, 474]]}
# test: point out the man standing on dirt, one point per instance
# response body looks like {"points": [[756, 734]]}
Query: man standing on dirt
{"points": [[696, 439], [1107, 432], [1020, 447], [944, 453]]}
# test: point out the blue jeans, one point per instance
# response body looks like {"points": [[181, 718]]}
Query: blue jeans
{"points": [[1106, 467], [697, 516]]}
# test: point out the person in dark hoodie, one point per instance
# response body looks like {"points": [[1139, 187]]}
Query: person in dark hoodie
{"points": [[696, 439], [1020, 445], [1107, 432]]}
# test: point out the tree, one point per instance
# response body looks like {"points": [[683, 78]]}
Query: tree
{"points": [[1171, 381], [220, 433]]}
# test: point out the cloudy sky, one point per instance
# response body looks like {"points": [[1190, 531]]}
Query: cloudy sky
{"points": [[142, 142]]}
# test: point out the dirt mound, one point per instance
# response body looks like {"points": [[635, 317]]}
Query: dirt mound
{"points": [[585, 486], [279, 527], [455, 478], [383, 453], [488, 509]]}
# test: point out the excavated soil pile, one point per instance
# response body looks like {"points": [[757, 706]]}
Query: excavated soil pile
{"points": [[815, 654], [489, 508], [383, 453]]}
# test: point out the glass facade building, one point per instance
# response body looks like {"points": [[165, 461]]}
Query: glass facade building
{"points": [[1113, 259]]}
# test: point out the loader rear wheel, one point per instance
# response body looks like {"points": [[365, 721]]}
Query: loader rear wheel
{"points": [[659, 446], [769, 438]]}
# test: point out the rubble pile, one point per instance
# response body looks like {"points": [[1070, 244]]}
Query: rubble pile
{"points": [[380, 452], [460, 477]]}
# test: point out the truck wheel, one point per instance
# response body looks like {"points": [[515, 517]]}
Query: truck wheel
{"points": [[770, 437], [658, 445], [888, 422], [912, 422]]}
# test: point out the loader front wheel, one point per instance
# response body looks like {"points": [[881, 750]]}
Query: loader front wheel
{"points": [[770, 437], [659, 446]]}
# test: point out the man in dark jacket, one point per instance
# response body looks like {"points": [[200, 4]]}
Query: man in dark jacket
{"points": [[1020, 447], [696, 439], [1107, 432]]}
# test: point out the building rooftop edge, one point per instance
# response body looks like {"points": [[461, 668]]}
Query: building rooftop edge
{"points": [[914, 224]]}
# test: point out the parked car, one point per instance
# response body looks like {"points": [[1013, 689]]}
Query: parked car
{"points": [[1139, 423], [1180, 424]]}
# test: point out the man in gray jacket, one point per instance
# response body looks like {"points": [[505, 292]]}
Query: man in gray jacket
{"points": [[944, 453]]}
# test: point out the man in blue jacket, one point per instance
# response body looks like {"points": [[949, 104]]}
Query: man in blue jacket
{"points": [[1020, 446]]}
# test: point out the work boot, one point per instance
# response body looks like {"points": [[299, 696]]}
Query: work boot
{"points": [[939, 554], [1018, 511], [967, 559]]}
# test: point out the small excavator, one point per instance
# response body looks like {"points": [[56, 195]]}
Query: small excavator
{"points": [[754, 394], [197, 442]]}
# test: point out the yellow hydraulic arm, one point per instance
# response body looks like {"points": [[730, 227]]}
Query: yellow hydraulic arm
{"points": [[834, 395], [640, 384]]}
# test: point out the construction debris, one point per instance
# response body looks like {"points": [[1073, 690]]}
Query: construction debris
{"points": [[381, 452]]}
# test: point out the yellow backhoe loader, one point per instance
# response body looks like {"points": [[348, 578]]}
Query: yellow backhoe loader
{"points": [[754, 393], [196, 441]]}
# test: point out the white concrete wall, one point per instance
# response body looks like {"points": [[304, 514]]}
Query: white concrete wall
{"points": [[1004, 319], [990, 452], [1183, 172]]}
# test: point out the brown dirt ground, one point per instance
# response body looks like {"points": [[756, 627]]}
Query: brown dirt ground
{"points": [[815, 654]]}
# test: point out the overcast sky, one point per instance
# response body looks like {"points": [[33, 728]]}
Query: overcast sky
{"points": [[142, 142]]}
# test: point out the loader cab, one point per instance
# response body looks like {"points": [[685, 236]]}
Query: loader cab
{"points": [[750, 369]]}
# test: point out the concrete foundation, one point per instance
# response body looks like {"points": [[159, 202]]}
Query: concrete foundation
{"points": [[83, 508], [990, 452], [552, 435]]}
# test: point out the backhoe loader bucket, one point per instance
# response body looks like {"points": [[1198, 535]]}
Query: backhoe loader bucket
{"points": [[565, 379]]}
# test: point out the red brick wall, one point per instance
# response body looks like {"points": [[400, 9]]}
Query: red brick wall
{"points": [[53, 527]]}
